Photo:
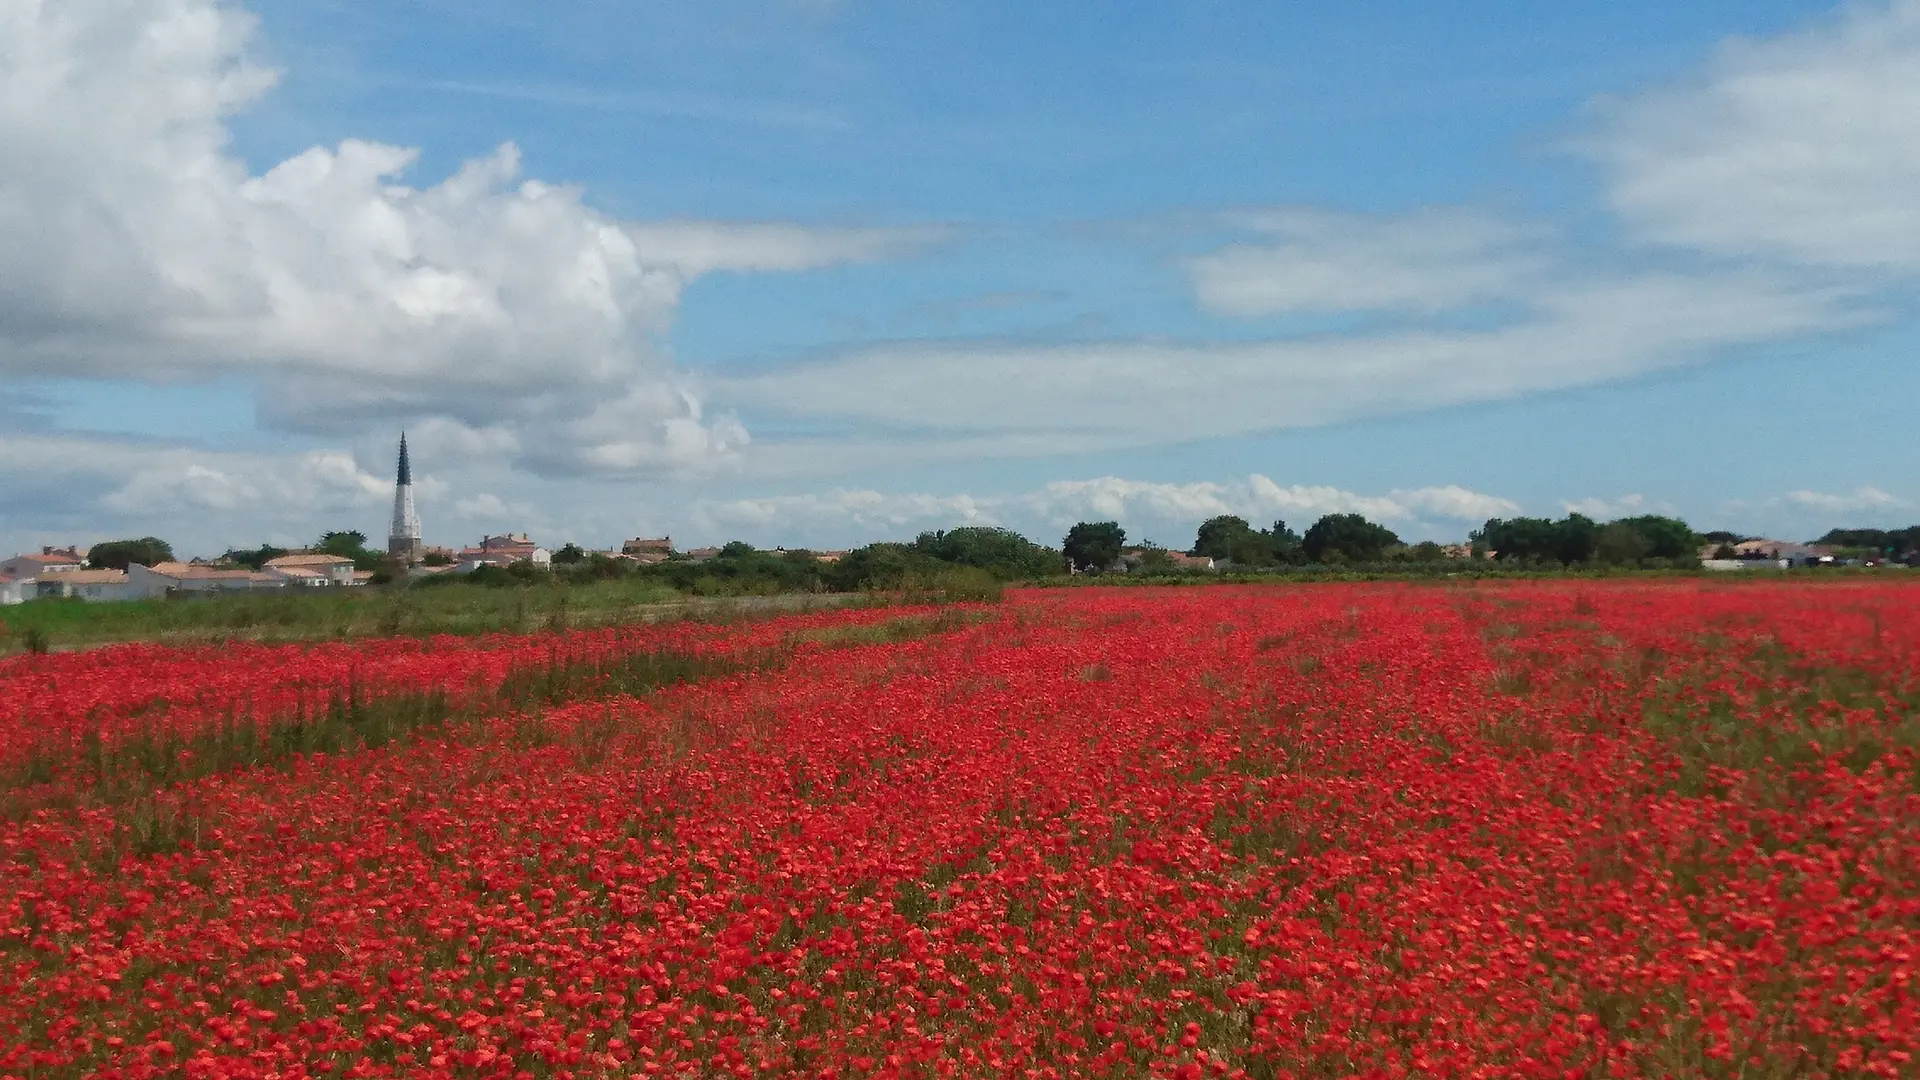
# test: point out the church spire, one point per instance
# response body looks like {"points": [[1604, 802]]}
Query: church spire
{"points": [[403, 539]]}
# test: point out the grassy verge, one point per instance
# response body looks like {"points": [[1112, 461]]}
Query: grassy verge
{"points": [[319, 614], [463, 609]]}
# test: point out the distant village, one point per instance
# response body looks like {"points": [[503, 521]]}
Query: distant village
{"points": [[67, 572], [63, 572]]}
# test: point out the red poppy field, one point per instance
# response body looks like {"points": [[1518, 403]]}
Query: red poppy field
{"points": [[1574, 828]]}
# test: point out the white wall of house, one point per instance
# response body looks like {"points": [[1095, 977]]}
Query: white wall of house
{"points": [[98, 591], [144, 584], [16, 591]]}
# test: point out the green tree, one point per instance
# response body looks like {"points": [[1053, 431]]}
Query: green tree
{"points": [[568, 555], [878, 566], [1286, 544], [350, 544], [1519, 539], [1891, 543], [1230, 538], [347, 543], [1094, 545], [1574, 538], [117, 554], [1219, 537], [1004, 553], [253, 560], [1621, 544], [737, 549], [1351, 537], [1569, 541], [1155, 559], [596, 566], [1667, 538]]}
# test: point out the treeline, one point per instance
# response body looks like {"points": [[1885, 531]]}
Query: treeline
{"points": [[1649, 541], [1333, 540], [1891, 543], [978, 560], [970, 562], [1343, 541]]}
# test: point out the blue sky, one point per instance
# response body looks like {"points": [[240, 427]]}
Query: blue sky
{"points": [[824, 271]]}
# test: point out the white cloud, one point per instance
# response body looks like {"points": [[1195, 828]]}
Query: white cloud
{"points": [[969, 401], [1607, 509], [486, 507], [860, 516], [61, 488], [139, 247], [1322, 261], [93, 481], [1258, 499], [694, 248], [1860, 499], [1455, 503], [845, 512], [1806, 146]]}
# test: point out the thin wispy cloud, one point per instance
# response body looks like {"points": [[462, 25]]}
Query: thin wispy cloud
{"points": [[743, 112], [952, 398]]}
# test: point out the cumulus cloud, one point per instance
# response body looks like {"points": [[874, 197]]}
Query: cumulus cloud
{"points": [[63, 481], [138, 246], [1804, 147], [1860, 499], [488, 508], [1606, 509], [173, 482], [857, 516], [63, 487], [1320, 261], [1258, 499]]}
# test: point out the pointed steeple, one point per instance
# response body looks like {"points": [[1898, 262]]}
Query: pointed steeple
{"points": [[403, 540]]}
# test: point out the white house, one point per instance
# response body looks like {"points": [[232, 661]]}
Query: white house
{"points": [[86, 585], [302, 576], [471, 560], [50, 561], [317, 570], [162, 579], [504, 551]]}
